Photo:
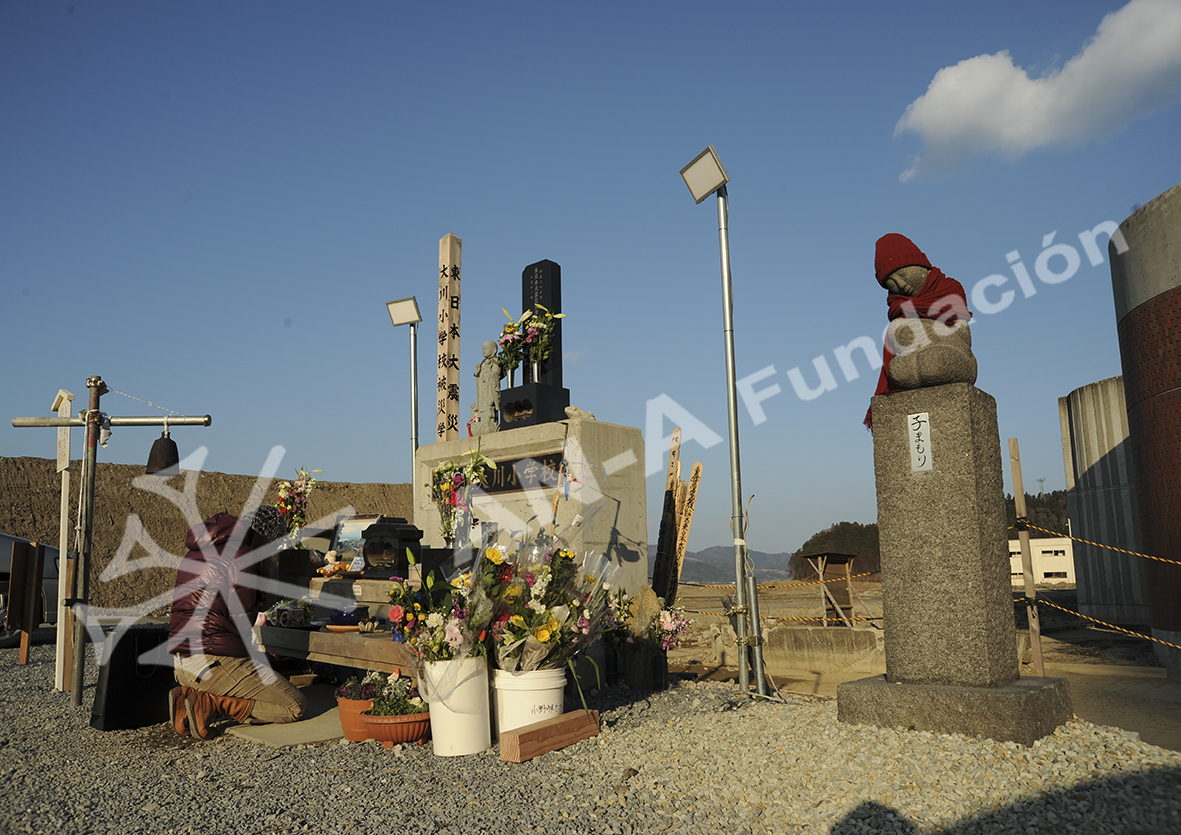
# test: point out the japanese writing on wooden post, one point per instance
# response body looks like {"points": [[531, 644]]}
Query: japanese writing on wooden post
{"points": [[447, 393]]}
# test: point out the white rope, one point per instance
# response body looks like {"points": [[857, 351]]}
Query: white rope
{"points": [[141, 400]]}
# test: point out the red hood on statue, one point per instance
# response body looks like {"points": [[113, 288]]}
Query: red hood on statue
{"points": [[940, 298]]}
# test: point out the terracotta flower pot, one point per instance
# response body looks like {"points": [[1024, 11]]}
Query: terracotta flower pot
{"points": [[394, 730], [350, 718]]}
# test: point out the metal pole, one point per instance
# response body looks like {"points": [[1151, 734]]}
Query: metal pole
{"points": [[171, 420], [737, 525], [82, 574], [413, 394]]}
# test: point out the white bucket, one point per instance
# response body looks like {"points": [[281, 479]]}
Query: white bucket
{"points": [[524, 698], [458, 695]]}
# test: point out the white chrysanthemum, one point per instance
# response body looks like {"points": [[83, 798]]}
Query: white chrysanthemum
{"points": [[434, 620]]}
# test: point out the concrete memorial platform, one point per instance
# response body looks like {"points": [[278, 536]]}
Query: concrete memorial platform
{"points": [[946, 593], [580, 462]]}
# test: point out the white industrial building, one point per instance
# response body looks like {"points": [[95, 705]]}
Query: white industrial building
{"points": [[1052, 557]]}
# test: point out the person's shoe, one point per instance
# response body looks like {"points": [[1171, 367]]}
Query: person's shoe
{"points": [[201, 711], [176, 710]]}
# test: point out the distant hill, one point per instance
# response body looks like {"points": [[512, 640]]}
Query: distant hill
{"points": [[841, 538], [1046, 511], [716, 565]]}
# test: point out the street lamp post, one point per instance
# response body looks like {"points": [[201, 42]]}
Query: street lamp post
{"points": [[705, 176], [405, 312]]}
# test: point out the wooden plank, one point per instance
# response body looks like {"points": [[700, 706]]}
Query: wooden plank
{"points": [[24, 592], [551, 734], [348, 649]]}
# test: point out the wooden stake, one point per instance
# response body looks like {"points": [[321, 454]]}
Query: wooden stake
{"points": [[664, 564], [1035, 628], [685, 520]]}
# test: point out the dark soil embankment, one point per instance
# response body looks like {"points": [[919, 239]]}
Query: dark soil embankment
{"points": [[30, 501]]}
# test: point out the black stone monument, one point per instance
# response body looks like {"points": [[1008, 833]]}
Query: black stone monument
{"points": [[541, 400]]}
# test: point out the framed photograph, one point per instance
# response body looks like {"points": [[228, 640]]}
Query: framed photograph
{"points": [[346, 536]]}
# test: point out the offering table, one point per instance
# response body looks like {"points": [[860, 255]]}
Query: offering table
{"points": [[369, 651]]}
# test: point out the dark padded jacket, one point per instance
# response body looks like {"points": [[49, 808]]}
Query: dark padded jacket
{"points": [[211, 575]]}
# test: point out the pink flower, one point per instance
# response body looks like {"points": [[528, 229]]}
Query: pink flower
{"points": [[397, 613], [452, 634]]}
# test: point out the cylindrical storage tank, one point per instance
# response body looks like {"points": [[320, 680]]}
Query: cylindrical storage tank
{"points": [[1101, 499], [1146, 280]]}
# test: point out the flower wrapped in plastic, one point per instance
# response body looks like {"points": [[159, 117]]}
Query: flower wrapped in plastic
{"points": [[293, 504], [440, 620], [451, 486], [549, 603]]}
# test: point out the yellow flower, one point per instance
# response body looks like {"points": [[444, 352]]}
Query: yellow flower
{"points": [[542, 634], [495, 555], [517, 621]]}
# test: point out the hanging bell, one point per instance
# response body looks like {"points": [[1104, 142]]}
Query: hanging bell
{"points": [[164, 455]]}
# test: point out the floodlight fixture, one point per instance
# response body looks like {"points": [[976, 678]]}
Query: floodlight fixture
{"points": [[405, 312], [705, 174]]}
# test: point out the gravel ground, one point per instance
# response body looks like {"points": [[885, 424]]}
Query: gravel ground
{"points": [[696, 758]]}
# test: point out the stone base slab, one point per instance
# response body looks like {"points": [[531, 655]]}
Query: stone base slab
{"points": [[1023, 711]]}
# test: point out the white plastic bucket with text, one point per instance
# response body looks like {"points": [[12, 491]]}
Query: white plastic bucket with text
{"points": [[524, 698], [458, 695]]}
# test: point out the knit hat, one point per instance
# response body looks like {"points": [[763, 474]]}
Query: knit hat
{"points": [[894, 252], [266, 522]]}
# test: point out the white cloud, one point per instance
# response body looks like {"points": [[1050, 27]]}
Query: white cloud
{"points": [[1129, 69]]}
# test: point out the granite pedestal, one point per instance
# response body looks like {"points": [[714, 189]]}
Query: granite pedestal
{"points": [[951, 664]]}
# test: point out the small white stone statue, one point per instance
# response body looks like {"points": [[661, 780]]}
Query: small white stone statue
{"points": [[487, 406]]}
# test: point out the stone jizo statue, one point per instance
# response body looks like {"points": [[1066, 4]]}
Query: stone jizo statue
{"points": [[928, 341], [487, 405]]}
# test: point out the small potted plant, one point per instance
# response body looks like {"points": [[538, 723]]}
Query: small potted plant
{"points": [[398, 714], [354, 696]]}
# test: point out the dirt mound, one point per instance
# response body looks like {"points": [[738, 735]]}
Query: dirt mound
{"points": [[30, 501]]}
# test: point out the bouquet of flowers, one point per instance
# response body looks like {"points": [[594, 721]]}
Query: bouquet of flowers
{"points": [[293, 503], [451, 489], [549, 604], [394, 695], [529, 338], [440, 620], [511, 342], [641, 618]]}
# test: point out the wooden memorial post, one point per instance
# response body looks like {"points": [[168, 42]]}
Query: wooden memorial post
{"points": [[447, 394], [63, 673]]}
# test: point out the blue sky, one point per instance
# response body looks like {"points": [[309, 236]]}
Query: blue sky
{"points": [[209, 204]]}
